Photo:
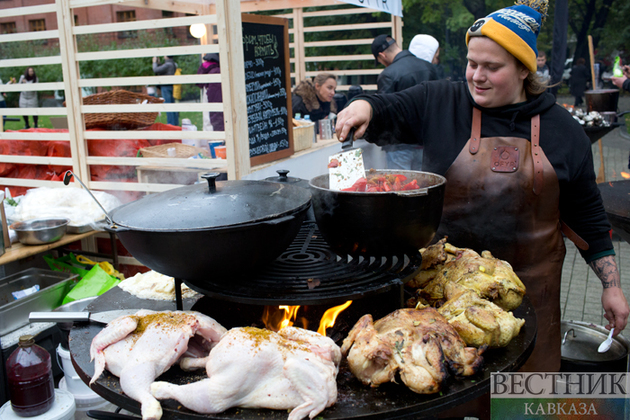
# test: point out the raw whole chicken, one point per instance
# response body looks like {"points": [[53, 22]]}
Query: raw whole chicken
{"points": [[419, 344], [257, 368], [139, 348]]}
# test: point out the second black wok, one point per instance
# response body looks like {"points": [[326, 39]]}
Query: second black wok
{"points": [[379, 223], [217, 230]]}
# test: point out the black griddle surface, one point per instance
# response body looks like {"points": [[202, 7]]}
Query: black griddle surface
{"points": [[354, 401], [616, 198]]}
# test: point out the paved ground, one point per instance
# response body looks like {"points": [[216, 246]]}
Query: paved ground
{"points": [[581, 289]]}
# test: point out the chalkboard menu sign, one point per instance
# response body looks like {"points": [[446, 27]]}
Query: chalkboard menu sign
{"points": [[268, 87]]}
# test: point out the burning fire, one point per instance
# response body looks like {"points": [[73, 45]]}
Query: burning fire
{"points": [[277, 317], [328, 320], [625, 175]]}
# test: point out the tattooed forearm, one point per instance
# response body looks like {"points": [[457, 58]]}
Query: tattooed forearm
{"points": [[606, 270]]}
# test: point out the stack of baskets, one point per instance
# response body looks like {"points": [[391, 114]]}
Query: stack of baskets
{"points": [[120, 120]]}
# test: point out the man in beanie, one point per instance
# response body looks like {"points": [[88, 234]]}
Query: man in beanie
{"points": [[519, 168], [402, 70]]}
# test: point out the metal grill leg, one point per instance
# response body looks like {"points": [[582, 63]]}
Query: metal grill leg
{"points": [[178, 294]]}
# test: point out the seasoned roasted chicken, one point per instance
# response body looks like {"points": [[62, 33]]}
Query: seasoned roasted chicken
{"points": [[491, 278], [293, 369], [478, 321], [419, 344]]}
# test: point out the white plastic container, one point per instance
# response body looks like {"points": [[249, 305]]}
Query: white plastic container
{"points": [[188, 126], [86, 402], [73, 382], [63, 408]]}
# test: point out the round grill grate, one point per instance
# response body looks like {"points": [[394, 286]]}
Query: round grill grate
{"points": [[310, 273]]}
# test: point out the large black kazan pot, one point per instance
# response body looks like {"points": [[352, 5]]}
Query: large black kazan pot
{"points": [[580, 341], [212, 230], [602, 100], [379, 223]]}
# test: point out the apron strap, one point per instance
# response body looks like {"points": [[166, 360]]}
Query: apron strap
{"points": [[475, 132], [574, 237], [536, 155]]}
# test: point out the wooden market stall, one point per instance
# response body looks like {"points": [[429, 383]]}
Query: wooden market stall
{"points": [[223, 22]]}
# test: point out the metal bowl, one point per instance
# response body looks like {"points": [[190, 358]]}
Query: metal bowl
{"points": [[40, 231]]}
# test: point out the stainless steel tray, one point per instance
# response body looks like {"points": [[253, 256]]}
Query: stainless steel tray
{"points": [[85, 228], [79, 229], [53, 287]]}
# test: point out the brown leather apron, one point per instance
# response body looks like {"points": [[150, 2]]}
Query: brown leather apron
{"points": [[502, 195]]}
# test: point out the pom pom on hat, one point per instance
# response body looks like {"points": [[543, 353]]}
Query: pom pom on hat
{"points": [[424, 47], [515, 28]]}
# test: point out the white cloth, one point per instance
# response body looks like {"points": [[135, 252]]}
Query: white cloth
{"points": [[424, 47]]}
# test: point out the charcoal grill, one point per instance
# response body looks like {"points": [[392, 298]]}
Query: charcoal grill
{"points": [[616, 198], [309, 273]]}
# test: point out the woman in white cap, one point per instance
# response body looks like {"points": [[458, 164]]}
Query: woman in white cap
{"points": [[518, 166], [425, 47]]}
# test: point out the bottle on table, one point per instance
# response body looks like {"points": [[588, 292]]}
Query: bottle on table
{"points": [[31, 385]]}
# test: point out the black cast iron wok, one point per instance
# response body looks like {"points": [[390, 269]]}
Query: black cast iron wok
{"points": [[379, 223], [220, 229]]}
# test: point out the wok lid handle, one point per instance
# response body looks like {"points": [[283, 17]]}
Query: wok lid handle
{"points": [[211, 177]]}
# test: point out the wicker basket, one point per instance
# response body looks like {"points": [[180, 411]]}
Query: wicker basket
{"points": [[303, 137], [120, 120], [180, 151]]}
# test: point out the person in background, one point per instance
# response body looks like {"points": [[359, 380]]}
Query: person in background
{"points": [[623, 82], [28, 99], [425, 47], [167, 69], [578, 80], [3, 102], [315, 98], [211, 65], [543, 185], [403, 70], [542, 69]]}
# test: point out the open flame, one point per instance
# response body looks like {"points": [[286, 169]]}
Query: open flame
{"points": [[625, 175], [330, 316], [277, 317]]}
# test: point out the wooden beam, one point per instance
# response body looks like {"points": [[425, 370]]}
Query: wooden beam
{"points": [[298, 50], [233, 86], [31, 61], [142, 52], [143, 24], [350, 27], [71, 74], [260, 5], [147, 80], [29, 87], [29, 36], [158, 135], [29, 10], [35, 111], [191, 7]]}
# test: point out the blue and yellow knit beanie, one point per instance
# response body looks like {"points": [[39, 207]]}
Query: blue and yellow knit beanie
{"points": [[515, 28]]}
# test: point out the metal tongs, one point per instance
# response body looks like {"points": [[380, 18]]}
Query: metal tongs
{"points": [[66, 180]]}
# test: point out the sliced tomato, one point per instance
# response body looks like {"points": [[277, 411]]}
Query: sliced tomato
{"points": [[334, 163], [412, 185]]}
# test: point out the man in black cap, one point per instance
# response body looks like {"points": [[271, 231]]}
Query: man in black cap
{"points": [[402, 70]]}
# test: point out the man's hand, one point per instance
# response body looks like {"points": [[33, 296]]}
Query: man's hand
{"points": [[613, 300], [155, 59], [358, 114]]}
